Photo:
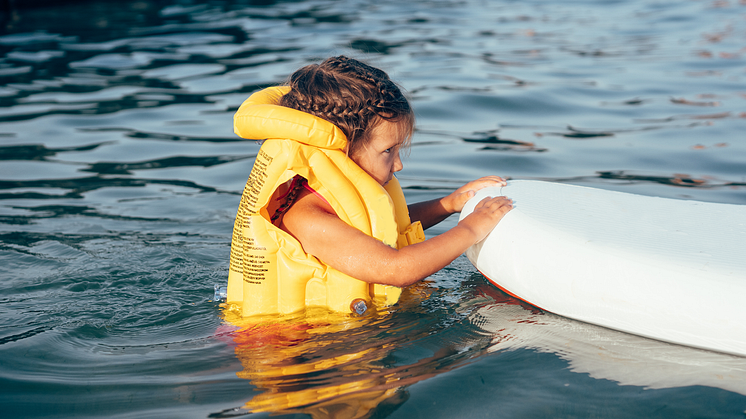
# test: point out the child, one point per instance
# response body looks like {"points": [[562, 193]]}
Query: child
{"points": [[315, 229]]}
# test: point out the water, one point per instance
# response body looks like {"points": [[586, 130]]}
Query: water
{"points": [[120, 177]]}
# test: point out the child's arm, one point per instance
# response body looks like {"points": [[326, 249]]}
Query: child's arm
{"points": [[432, 212], [324, 235]]}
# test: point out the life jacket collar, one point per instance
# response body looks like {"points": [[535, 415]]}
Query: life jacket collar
{"points": [[261, 118]]}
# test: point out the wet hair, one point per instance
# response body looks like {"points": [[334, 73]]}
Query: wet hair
{"points": [[350, 94]]}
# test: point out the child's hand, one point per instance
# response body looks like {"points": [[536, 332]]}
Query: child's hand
{"points": [[455, 201], [487, 213]]}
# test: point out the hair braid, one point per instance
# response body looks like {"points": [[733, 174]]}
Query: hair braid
{"points": [[350, 94]]}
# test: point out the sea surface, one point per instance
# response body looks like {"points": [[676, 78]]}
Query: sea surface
{"points": [[120, 177]]}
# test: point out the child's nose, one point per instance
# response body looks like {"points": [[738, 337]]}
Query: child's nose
{"points": [[397, 163]]}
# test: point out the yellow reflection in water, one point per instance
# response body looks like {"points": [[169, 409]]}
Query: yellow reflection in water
{"points": [[324, 364]]}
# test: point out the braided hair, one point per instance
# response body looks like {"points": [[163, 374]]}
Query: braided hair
{"points": [[351, 95]]}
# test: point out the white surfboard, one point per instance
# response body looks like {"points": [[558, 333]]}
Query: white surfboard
{"points": [[667, 269]]}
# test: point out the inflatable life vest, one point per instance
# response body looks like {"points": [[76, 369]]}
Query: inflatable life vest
{"points": [[269, 271]]}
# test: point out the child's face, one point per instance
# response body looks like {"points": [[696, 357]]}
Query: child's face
{"points": [[380, 156]]}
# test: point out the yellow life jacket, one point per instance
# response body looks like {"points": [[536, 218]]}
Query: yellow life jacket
{"points": [[269, 271]]}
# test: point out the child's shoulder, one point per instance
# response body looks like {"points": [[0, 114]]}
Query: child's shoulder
{"points": [[306, 206]]}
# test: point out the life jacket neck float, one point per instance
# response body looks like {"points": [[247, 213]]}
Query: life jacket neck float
{"points": [[270, 273]]}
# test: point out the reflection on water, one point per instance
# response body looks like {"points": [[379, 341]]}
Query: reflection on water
{"points": [[331, 365], [611, 355], [301, 367], [120, 177]]}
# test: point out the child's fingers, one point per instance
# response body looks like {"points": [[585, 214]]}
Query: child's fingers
{"points": [[487, 213], [455, 201], [487, 181], [498, 204], [496, 200], [497, 179]]}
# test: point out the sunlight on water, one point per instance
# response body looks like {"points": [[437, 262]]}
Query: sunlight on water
{"points": [[120, 177]]}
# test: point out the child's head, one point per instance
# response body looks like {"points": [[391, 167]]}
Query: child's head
{"points": [[350, 94]]}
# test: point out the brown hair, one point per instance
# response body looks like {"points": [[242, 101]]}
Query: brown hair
{"points": [[351, 95]]}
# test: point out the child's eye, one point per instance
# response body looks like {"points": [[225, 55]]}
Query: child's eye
{"points": [[388, 150]]}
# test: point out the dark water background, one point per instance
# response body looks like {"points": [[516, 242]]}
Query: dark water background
{"points": [[120, 177]]}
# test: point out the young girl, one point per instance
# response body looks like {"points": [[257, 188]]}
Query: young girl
{"points": [[322, 216]]}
